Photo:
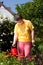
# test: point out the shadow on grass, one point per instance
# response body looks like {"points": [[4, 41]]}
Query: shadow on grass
{"points": [[24, 62]]}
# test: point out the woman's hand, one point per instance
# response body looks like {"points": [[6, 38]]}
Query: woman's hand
{"points": [[13, 44], [33, 41]]}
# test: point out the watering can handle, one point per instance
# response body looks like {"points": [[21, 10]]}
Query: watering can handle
{"points": [[14, 46]]}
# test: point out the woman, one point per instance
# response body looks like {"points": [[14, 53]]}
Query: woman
{"points": [[24, 36]]}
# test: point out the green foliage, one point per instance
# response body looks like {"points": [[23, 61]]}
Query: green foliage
{"points": [[6, 34], [13, 61]]}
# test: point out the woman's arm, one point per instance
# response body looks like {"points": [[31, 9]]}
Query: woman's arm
{"points": [[15, 39], [32, 35]]}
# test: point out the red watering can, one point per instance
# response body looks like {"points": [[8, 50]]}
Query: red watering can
{"points": [[14, 51]]}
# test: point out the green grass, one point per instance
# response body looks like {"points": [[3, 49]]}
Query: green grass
{"points": [[4, 60]]}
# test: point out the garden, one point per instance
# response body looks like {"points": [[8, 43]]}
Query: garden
{"points": [[32, 11]]}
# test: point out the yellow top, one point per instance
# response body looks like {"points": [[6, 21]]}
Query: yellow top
{"points": [[24, 31]]}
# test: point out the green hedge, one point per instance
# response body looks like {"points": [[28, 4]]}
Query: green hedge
{"points": [[6, 34]]}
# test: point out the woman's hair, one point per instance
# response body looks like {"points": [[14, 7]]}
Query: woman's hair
{"points": [[18, 16]]}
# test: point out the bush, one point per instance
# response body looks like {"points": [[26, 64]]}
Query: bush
{"points": [[6, 34]]}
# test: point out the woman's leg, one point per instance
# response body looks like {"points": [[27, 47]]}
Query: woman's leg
{"points": [[27, 49], [20, 48]]}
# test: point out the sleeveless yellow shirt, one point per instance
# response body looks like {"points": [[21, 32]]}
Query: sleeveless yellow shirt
{"points": [[24, 31]]}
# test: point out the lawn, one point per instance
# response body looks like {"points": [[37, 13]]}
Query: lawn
{"points": [[10, 60]]}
